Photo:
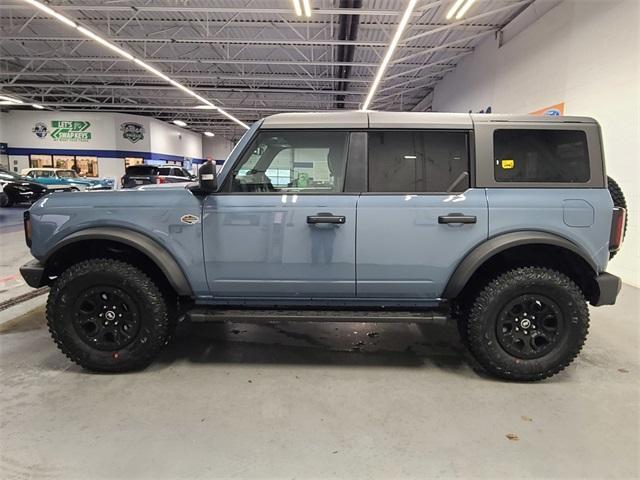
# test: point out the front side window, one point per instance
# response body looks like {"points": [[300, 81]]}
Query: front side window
{"points": [[527, 155], [418, 161], [293, 161], [67, 174]]}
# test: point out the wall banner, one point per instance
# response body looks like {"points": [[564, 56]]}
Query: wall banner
{"points": [[554, 110]]}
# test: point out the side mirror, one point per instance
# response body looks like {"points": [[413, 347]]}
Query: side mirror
{"points": [[207, 177]]}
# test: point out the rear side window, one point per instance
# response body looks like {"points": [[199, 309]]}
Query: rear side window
{"points": [[544, 156], [418, 161]]}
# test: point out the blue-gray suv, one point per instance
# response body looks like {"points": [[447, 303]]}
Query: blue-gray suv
{"points": [[503, 223]]}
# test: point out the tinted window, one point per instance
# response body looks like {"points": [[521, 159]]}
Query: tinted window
{"points": [[293, 161], [177, 172], [541, 156], [418, 161], [67, 174], [142, 170], [164, 171]]}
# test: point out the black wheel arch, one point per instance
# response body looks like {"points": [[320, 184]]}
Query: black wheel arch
{"points": [[140, 243], [523, 248]]}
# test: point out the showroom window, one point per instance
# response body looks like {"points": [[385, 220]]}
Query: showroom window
{"points": [[418, 161], [541, 156], [40, 161], [83, 165], [87, 166], [129, 161], [293, 161]]}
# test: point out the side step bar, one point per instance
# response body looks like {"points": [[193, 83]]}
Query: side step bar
{"points": [[264, 316]]}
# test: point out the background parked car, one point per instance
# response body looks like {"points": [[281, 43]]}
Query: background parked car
{"points": [[18, 189], [3, 196], [137, 175], [66, 177]]}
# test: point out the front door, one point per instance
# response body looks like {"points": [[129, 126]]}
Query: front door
{"points": [[281, 225], [419, 217]]}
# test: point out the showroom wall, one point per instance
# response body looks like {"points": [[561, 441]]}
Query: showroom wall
{"points": [[110, 137], [578, 54], [216, 148]]}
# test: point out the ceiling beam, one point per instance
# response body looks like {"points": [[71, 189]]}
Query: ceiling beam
{"points": [[204, 61], [182, 74], [213, 9]]}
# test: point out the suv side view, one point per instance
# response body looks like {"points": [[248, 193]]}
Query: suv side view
{"points": [[503, 223]]}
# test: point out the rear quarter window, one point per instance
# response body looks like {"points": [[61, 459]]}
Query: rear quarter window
{"points": [[541, 156]]}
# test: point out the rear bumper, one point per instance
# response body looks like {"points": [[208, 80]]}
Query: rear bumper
{"points": [[608, 288], [33, 274]]}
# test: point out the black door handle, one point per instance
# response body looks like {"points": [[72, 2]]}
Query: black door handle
{"points": [[326, 218], [457, 218]]}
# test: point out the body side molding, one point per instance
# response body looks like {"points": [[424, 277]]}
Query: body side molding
{"points": [[152, 249], [483, 252]]}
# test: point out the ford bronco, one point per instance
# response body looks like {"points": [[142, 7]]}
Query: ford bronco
{"points": [[503, 223]]}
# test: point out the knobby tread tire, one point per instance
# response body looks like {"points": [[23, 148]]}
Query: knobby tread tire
{"points": [[482, 319], [151, 303], [617, 195]]}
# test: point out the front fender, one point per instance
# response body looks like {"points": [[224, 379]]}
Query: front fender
{"points": [[146, 245]]}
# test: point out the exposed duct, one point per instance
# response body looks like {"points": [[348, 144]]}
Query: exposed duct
{"points": [[348, 30]]}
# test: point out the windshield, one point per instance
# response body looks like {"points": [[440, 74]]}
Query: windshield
{"points": [[10, 176], [67, 174]]}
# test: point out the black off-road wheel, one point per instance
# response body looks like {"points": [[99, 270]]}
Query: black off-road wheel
{"points": [[107, 316], [528, 324], [618, 201]]}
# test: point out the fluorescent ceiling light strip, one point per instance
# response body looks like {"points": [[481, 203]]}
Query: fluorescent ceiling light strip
{"points": [[464, 9], [297, 8], [231, 117], [387, 57], [210, 134], [104, 42], [307, 7], [206, 103], [52, 12], [180, 123], [452, 11], [38, 106]]}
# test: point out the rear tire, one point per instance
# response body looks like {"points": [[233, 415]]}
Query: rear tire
{"points": [[107, 316], [9, 202], [528, 324], [617, 196]]}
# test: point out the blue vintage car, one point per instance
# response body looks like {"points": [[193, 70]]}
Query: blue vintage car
{"points": [[54, 177]]}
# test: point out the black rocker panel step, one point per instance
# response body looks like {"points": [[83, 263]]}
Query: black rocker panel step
{"points": [[260, 316]]}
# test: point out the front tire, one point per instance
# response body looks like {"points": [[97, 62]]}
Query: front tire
{"points": [[528, 324], [107, 316]]}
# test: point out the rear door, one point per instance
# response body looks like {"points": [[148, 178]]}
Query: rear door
{"points": [[283, 225], [420, 215]]}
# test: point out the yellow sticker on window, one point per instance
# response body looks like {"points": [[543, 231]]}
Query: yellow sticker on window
{"points": [[507, 164]]}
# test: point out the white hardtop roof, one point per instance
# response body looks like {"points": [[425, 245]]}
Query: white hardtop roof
{"points": [[370, 119], [48, 169]]}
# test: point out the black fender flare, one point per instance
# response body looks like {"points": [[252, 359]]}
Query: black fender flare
{"points": [[483, 252], [152, 249]]}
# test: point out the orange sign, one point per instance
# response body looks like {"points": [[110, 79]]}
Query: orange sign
{"points": [[554, 110]]}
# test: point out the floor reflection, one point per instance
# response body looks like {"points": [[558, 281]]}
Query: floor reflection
{"points": [[337, 344]]}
